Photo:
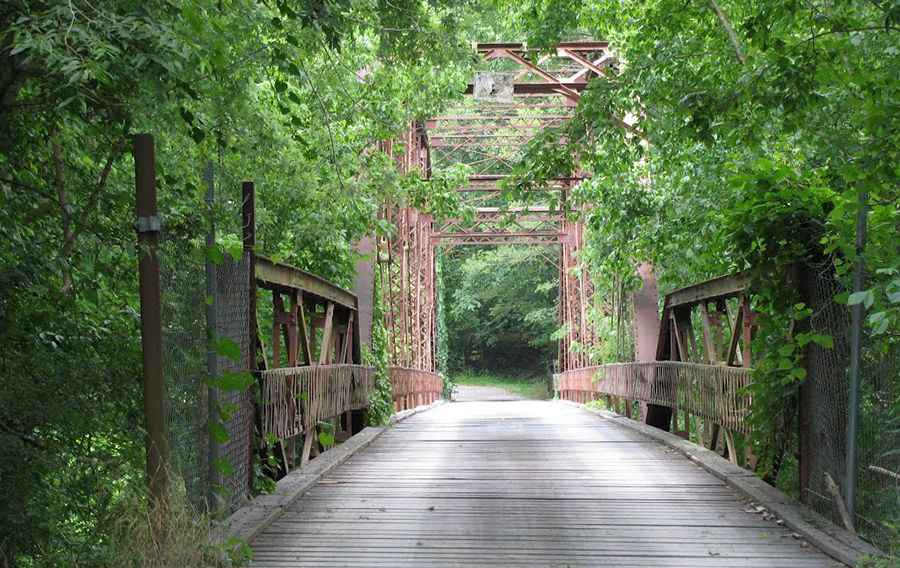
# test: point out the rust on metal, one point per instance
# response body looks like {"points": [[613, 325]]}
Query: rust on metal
{"points": [[273, 275], [151, 316]]}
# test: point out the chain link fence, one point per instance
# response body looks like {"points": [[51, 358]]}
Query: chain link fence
{"points": [[215, 468], [825, 411], [233, 480], [183, 295]]}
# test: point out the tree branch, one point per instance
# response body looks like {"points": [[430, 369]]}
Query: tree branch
{"points": [[732, 36], [30, 440], [60, 182], [72, 230], [114, 154]]}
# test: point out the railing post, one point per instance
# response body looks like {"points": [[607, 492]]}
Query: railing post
{"points": [[248, 223], [148, 227], [856, 322], [212, 371], [248, 219]]}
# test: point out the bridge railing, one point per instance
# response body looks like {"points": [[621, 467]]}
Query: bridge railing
{"points": [[712, 392], [414, 387], [296, 399]]}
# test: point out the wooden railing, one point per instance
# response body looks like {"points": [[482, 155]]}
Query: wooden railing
{"points": [[712, 392], [295, 399], [414, 387]]}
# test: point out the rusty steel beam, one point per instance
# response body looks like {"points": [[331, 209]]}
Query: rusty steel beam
{"points": [[584, 62], [479, 136], [541, 89], [486, 47], [717, 288], [438, 235], [456, 118], [273, 275], [148, 228]]}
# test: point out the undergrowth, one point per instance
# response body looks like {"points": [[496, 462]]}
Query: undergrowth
{"points": [[173, 534]]}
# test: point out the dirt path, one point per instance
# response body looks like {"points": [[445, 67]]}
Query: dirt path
{"points": [[472, 393]]}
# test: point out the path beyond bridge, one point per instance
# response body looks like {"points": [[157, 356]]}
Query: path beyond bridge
{"points": [[523, 483]]}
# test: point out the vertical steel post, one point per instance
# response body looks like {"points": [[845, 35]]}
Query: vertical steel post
{"points": [[148, 227], [248, 218], [856, 322], [248, 221], [212, 395]]}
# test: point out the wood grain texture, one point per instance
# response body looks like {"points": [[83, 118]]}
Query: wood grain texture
{"points": [[523, 483]]}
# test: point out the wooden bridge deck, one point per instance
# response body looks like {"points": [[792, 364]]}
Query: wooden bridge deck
{"points": [[523, 483]]}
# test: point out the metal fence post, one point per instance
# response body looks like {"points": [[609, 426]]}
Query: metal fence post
{"points": [[248, 220], [211, 326], [856, 322], [148, 227]]}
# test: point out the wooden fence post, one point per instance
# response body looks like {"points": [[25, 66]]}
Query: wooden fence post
{"points": [[148, 227]]}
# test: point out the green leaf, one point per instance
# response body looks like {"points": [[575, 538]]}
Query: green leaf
{"points": [[224, 467], [214, 255], [232, 245], [227, 348], [198, 135], [879, 322], [865, 297], [326, 439], [227, 410], [232, 381], [218, 432]]}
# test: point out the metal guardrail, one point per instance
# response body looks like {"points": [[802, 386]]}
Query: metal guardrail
{"points": [[713, 392], [414, 387], [295, 399]]}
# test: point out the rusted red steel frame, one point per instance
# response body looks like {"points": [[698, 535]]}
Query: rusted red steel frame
{"points": [[414, 387], [406, 258], [407, 266], [722, 306], [715, 393], [329, 376]]}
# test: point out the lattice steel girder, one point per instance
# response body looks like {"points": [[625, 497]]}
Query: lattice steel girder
{"points": [[456, 121], [509, 238], [494, 220], [407, 264], [491, 178], [568, 89], [456, 143], [575, 46]]}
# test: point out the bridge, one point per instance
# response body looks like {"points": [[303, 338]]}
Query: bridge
{"points": [[664, 477], [524, 483]]}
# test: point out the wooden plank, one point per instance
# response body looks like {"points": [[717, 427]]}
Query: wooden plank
{"points": [[523, 483]]}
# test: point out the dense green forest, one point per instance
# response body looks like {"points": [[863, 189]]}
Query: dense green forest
{"points": [[755, 130], [501, 308]]}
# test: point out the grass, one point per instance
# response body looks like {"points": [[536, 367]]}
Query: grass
{"points": [[172, 534], [534, 387]]}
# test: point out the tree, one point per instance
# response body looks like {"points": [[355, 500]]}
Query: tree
{"points": [[502, 310]]}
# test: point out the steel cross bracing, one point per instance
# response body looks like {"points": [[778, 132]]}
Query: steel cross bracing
{"points": [[489, 135]]}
